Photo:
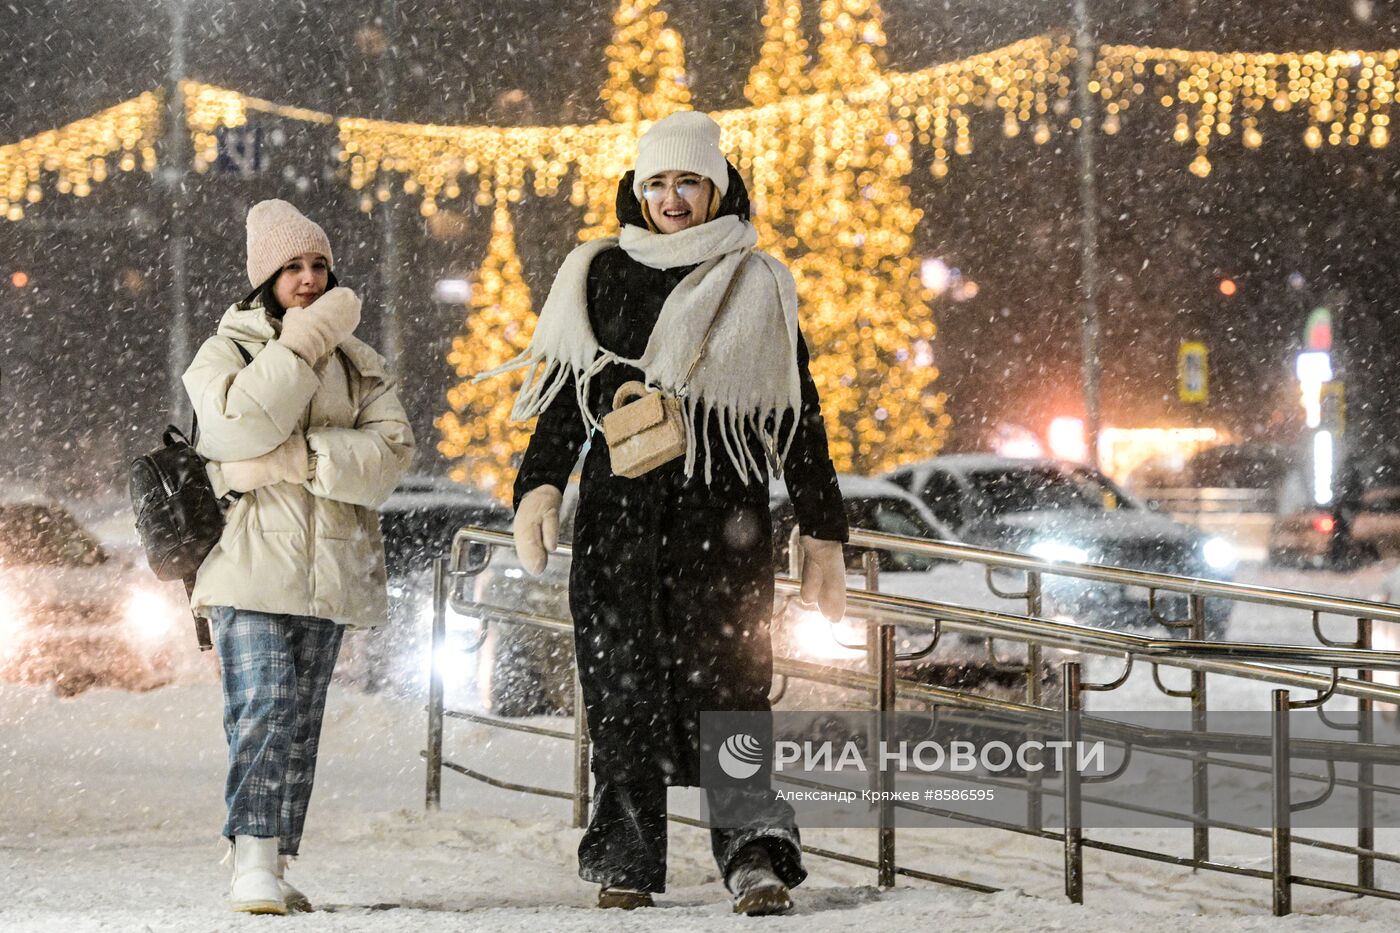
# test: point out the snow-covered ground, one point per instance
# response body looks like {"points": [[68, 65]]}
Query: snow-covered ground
{"points": [[110, 806]]}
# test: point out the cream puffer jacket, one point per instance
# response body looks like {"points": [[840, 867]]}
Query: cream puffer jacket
{"points": [[314, 548]]}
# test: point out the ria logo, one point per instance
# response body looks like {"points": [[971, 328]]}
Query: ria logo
{"points": [[740, 756]]}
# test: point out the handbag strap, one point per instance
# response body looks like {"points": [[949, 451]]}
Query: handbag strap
{"points": [[194, 416], [724, 300]]}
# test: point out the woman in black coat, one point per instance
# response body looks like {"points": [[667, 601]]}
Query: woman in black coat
{"points": [[671, 587]]}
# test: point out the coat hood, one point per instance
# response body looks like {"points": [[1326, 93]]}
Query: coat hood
{"points": [[735, 201], [250, 323]]}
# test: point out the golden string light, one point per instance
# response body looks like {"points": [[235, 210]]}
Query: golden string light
{"points": [[781, 69], [1347, 95], [208, 107], [79, 155], [646, 65], [1024, 82], [827, 144], [476, 430]]}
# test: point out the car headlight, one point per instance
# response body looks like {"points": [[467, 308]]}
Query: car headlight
{"points": [[814, 636], [1060, 551], [148, 615], [1219, 554]]}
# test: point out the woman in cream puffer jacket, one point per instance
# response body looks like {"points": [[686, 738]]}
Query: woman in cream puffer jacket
{"points": [[312, 436], [313, 547]]}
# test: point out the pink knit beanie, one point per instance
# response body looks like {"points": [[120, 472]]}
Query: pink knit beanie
{"points": [[277, 232]]}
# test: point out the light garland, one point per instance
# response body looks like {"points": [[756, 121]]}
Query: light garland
{"points": [[935, 106], [79, 154], [826, 144], [1347, 94], [207, 108]]}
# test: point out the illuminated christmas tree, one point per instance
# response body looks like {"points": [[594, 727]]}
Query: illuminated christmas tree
{"points": [[826, 166], [845, 225], [477, 431], [646, 81]]}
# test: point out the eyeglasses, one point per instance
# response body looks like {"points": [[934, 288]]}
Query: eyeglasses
{"points": [[655, 190]]}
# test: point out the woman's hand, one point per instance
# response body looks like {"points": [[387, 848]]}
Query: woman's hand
{"points": [[536, 527], [319, 328], [286, 464], [824, 576]]}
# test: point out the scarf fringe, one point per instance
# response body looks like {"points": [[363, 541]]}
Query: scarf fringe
{"points": [[546, 378], [747, 407], [737, 432]]}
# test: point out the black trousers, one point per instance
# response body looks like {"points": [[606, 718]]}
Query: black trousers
{"points": [[625, 843]]}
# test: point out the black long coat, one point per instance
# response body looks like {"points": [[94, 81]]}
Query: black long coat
{"points": [[671, 588]]}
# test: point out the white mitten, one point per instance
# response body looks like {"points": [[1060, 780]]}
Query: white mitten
{"points": [[317, 329], [536, 527], [824, 577], [285, 464]]}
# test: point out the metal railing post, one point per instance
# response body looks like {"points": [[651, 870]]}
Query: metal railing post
{"points": [[1035, 606], [582, 750], [1074, 815], [884, 658], [870, 569], [1200, 783], [433, 794], [1282, 810], [1365, 771], [887, 704]]}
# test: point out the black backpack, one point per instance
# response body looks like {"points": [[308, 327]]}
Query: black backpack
{"points": [[178, 517]]}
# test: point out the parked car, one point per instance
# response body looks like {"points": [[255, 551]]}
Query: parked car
{"points": [[74, 615], [1308, 538], [523, 670], [1071, 513], [418, 523]]}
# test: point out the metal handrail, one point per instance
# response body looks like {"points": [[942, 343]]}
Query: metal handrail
{"points": [[1009, 560], [1234, 658], [1102, 573], [885, 612]]}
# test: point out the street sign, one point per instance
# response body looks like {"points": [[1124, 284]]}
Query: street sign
{"points": [[1333, 408], [1192, 371], [240, 151]]}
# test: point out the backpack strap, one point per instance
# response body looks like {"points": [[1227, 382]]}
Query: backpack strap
{"points": [[194, 416]]}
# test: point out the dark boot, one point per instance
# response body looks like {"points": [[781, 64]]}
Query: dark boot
{"points": [[757, 889], [623, 898]]}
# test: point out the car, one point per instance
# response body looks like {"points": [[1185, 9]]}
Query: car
{"points": [[418, 523], [1071, 513], [522, 670], [1309, 537], [960, 661], [74, 615]]}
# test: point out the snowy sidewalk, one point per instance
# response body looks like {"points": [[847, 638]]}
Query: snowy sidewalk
{"points": [[110, 809]]}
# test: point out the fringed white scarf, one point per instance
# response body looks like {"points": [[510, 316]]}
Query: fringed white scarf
{"points": [[748, 376]]}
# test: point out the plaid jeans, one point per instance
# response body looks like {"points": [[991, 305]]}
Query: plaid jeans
{"points": [[275, 671]]}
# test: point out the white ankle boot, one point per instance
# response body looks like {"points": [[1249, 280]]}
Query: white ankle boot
{"points": [[293, 898], [255, 887]]}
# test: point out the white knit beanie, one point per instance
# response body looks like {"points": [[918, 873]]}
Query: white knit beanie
{"points": [[686, 141], [277, 232]]}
